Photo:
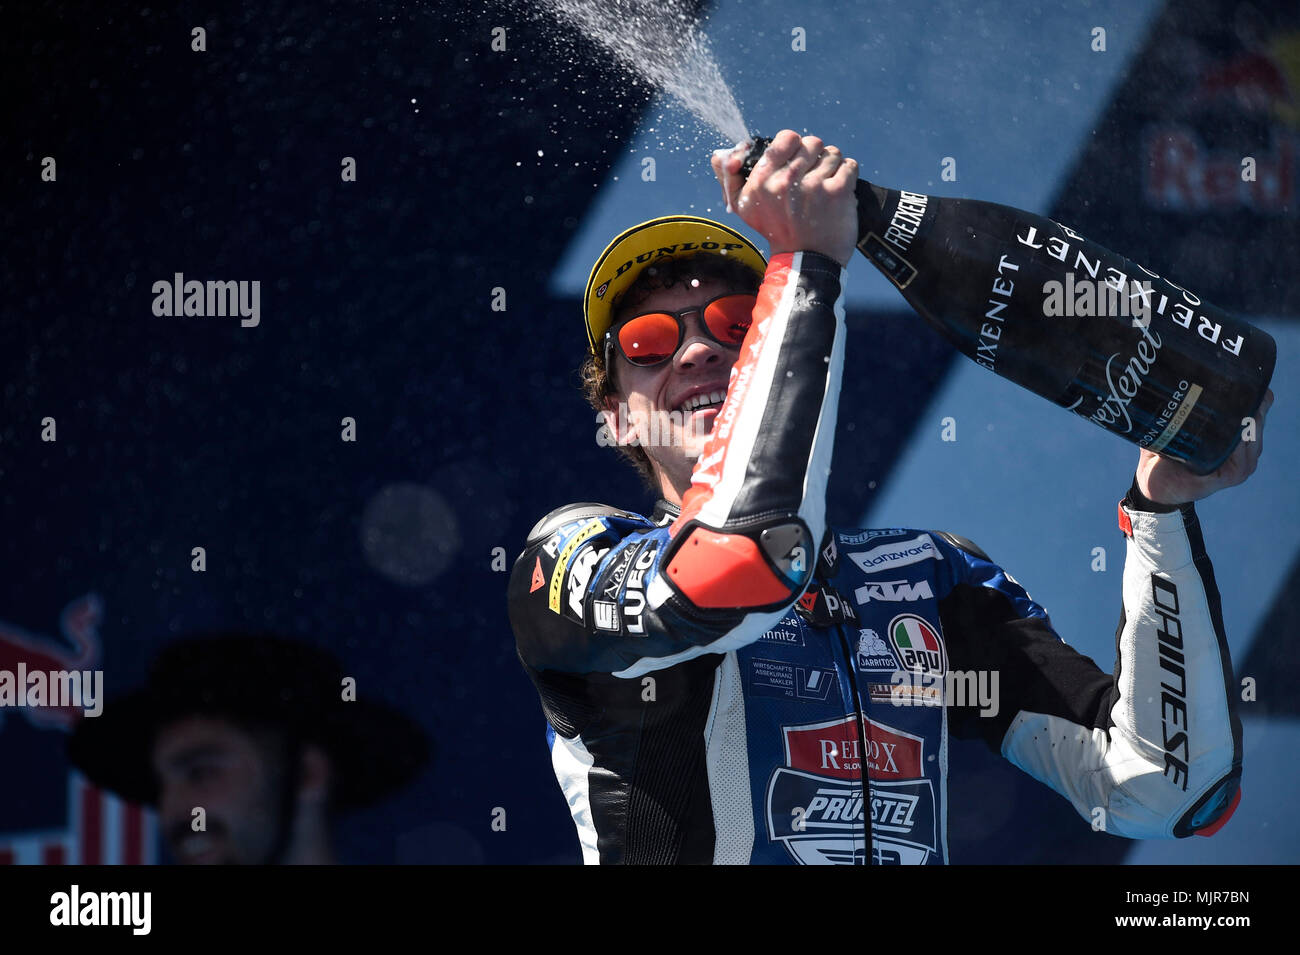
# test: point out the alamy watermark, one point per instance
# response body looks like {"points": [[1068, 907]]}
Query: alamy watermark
{"points": [[973, 688], [1100, 298], [56, 689], [179, 297], [76, 907]]}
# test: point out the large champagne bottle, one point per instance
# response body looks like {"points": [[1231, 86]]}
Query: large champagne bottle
{"points": [[1033, 301]]}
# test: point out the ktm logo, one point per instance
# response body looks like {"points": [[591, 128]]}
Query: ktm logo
{"points": [[894, 590]]}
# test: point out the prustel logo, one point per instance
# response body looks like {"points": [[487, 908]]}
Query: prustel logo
{"points": [[815, 804], [79, 650], [918, 644], [861, 537]]}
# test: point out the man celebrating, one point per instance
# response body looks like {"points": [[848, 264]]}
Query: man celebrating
{"points": [[730, 681]]}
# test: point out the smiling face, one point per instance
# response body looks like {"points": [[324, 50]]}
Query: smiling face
{"points": [[670, 408]]}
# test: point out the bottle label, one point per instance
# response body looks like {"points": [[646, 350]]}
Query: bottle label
{"points": [[1088, 257], [1177, 411], [1104, 337], [1162, 412], [896, 268], [1119, 381], [891, 227], [905, 220]]}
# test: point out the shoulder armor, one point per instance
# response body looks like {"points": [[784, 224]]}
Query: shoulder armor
{"points": [[964, 543], [573, 512]]}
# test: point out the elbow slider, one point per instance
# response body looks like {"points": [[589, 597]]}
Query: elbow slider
{"points": [[751, 569], [1210, 815]]}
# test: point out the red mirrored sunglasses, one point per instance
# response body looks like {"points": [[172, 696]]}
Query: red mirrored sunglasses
{"points": [[653, 338]]}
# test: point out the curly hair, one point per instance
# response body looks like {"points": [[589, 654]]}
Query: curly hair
{"points": [[598, 385]]}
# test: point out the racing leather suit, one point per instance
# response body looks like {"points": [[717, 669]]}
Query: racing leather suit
{"points": [[737, 683]]}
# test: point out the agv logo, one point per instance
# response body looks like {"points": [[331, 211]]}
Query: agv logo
{"points": [[917, 643]]}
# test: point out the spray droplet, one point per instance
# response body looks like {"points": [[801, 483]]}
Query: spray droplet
{"points": [[662, 45]]}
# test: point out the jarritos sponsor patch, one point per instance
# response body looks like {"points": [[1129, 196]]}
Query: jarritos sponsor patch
{"points": [[917, 644], [814, 803], [874, 653]]}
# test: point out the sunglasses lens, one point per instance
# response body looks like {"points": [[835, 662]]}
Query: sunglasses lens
{"points": [[649, 339], [729, 317]]}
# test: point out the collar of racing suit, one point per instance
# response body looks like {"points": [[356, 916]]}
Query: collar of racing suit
{"points": [[665, 513]]}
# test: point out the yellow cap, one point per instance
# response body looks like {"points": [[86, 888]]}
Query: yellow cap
{"points": [[667, 237]]}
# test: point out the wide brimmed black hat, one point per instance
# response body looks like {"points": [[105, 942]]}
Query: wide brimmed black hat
{"points": [[259, 679]]}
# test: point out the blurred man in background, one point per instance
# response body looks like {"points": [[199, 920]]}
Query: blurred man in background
{"points": [[249, 746]]}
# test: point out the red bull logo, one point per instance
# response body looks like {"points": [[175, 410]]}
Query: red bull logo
{"points": [[26, 655], [1263, 81], [1182, 172]]}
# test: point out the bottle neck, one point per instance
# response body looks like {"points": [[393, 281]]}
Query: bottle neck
{"points": [[872, 203], [892, 226]]}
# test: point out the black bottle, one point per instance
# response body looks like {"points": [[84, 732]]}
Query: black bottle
{"points": [[1099, 335]]}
